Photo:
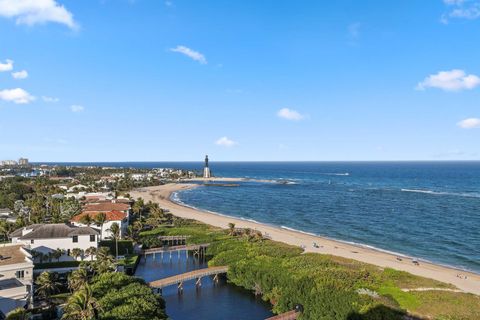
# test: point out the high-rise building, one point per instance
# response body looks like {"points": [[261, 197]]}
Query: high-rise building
{"points": [[23, 162]]}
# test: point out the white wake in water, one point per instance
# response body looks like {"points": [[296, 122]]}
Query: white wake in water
{"points": [[441, 193]]}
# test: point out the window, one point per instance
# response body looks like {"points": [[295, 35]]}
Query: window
{"points": [[92, 238], [20, 274], [31, 241], [75, 238]]}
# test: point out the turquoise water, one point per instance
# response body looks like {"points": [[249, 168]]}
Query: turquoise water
{"points": [[428, 210]]}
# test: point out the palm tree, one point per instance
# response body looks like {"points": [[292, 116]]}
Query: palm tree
{"points": [[105, 261], [115, 230], [77, 279], [17, 314], [138, 207], [130, 234], [47, 284], [82, 305], [37, 255], [231, 228], [76, 252], [57, 254], [100, 220], [86, 219], [91, 251]]}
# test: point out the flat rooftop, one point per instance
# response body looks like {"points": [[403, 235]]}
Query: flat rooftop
{"points": [[11, 255]]}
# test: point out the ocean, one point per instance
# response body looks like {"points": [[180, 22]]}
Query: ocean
{"points": [[426, 210]]}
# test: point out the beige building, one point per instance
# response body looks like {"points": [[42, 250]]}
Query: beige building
{"points": [[16, 277]]}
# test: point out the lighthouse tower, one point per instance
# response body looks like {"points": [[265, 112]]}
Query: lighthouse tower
{"points": [[206, 169]]}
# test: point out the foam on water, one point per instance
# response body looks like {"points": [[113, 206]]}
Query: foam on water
{"points": [[443, 193]]}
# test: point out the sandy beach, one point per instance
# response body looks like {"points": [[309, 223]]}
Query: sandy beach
{"points": [[161, 195]]}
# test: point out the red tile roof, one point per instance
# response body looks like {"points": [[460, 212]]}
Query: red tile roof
{"points": [[106, 206], [113, 215]]}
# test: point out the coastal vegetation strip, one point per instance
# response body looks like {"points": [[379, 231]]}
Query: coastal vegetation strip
{"points": [[162, 194], [329, 287]]}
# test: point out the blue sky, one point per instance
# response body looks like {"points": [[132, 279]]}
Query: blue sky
{"points": [[145, 80]]}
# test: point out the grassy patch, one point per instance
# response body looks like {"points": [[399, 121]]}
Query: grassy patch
{"points": [[406, 300], [447, 305], [129, 261], [407, 280]]}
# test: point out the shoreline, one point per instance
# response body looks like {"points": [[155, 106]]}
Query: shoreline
{"points": [[362, 253]]}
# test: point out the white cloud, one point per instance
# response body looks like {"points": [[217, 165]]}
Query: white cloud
{"points": [[18, 96], [461, 9], [31, 12], [454, 80], [20, 74], [77, 108], [469, 123], [192, 54], [289, 114], [225, 142], [50, 99], [6, 66]]}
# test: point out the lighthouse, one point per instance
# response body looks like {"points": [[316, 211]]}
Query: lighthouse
{"points": [[206, 170]]}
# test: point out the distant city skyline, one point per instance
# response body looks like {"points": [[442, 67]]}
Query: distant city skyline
{"points": [[239, 80]]}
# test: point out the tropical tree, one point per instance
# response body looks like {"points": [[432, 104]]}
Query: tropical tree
{"points": [[47, 284], [91, 251], [86, 219], [231, 228], [115, 231], [5, 229], [138, 207], [105, 261], [100, 220], [57, 254], [37, 255], [76, 252], [17, 314], [82, 305], [77, 279]]}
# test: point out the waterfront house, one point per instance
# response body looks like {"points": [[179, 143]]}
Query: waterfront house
{"points": [[46, 238], [16, 281], [111, 217], [122, 205]]}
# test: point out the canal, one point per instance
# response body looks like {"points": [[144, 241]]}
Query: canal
{"points": [[212, 301]]}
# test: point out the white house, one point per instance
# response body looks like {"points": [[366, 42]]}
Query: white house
{"points": [[111, 217], [7, 215], [47, 238], [77, 187], [16, 282]]}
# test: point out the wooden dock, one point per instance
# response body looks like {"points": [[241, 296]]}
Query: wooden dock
{"points": [[198, 249], [173, 240], [181, 278]]}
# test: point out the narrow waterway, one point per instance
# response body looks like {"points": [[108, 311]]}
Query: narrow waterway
{"points": [[210, 301]]}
